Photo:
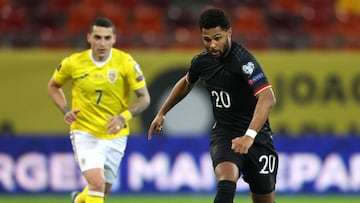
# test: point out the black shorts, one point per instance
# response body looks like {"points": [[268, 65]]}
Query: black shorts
{"points": [[258, 167]]}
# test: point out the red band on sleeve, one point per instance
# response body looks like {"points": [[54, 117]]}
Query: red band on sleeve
{"points": [[261, 88]]}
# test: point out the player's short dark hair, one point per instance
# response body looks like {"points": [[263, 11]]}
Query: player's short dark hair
{"points": [[102, 22], [214, 17]]}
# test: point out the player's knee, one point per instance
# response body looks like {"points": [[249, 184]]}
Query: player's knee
{"points": [[97, 185]]}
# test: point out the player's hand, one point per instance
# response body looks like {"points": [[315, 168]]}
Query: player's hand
{"points": [[71, 116], [115, 124], [242, 144], [156, 125]]}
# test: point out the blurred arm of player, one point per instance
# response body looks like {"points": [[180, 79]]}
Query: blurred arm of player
{"points": [[265, 103], [178, 92], [142, 102], [116, 123], [59, 99]]}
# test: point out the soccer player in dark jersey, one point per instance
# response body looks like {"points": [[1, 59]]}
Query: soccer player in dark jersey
{"points": [[241, 142]]}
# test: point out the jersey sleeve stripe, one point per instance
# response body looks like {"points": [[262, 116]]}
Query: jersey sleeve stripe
{"points": [[261, 88]]}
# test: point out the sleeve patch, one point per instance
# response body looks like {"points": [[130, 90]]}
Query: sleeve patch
{"points": [[139, 74], [58, 67], [140, 78], [248, 68], [137, 69], [256, 78]]}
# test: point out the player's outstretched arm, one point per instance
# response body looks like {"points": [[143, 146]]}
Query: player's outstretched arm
{"points": [[57, 96], [179, 91], [142, 101], [156, 125], [59, 99]]}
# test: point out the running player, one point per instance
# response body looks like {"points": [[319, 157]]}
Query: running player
{"points": [[102, 78], [242, 99]]}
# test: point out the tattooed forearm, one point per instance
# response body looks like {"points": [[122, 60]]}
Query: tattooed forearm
{"points": [[142, 102]]}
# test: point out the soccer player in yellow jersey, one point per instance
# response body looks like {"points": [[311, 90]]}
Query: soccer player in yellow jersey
{"points": [[102, 78]]}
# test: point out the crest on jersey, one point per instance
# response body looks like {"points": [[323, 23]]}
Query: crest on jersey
{"points": [[112, 75], [139, 73], [248, 68]]}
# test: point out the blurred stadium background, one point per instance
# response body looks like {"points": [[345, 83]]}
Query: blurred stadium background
{"points": [[296, 24], [308, 48]]}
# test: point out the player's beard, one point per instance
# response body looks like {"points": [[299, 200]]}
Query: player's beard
{"points": [[226, 49], [224, 52]]}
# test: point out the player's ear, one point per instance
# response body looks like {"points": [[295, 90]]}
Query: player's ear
{"points": [[88, 37], [229, 31], [114, 39]]}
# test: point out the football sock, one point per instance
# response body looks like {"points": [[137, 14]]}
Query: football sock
{"points": [[225, 192], [95, 197], [80, 198]]}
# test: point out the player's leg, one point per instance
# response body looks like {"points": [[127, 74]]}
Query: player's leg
{"points": [[263, 198], [89, 154], [227, 175], [107, 189], [79, 197], [96, 183], [225, 163], [260, 170], [115, 150]]}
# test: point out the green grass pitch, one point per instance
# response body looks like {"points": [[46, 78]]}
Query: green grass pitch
{"points": [[188, 198]]}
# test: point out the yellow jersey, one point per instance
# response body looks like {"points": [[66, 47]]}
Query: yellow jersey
{"points": [[100, 89]]}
